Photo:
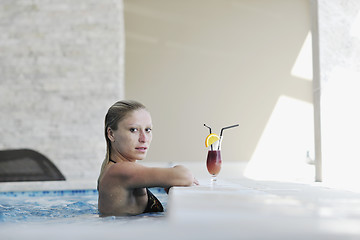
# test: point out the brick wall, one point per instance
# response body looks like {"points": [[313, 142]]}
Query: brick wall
{"points": [[61, 67]]}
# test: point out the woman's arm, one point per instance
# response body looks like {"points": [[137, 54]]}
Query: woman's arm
{"points": [[132, 175]]}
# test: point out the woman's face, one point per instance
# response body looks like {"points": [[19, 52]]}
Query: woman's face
{"points": [[132, 139]]}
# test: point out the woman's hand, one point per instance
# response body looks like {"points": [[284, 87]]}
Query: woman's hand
{"points": [[186, 175], [195, 182], [189, 174]]}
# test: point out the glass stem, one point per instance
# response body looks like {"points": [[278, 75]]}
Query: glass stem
{"points": [[213, 178]]}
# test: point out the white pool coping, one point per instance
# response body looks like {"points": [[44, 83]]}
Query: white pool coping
{"points": [[234, 208], [240, 208]]}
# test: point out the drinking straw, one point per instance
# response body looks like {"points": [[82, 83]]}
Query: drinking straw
{"points": [[208, 127], [210, 133], [221, 132]]}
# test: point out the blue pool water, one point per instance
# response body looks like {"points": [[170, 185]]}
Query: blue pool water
{"points": [[61, 207]]}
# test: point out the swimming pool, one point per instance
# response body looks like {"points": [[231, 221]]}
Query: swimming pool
{"points": [[64, 206]]}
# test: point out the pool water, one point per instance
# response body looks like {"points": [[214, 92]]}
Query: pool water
{"points": [[67, 206]]}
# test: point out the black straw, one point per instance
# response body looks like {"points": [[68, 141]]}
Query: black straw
{"points": [[210, 133], [208, 127], [221, 133]]}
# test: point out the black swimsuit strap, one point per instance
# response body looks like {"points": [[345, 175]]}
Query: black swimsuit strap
{"points": [[153, 205], [112, 160]]}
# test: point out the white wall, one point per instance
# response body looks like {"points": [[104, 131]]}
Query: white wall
{"points": [[220, 63], [61, 67]]}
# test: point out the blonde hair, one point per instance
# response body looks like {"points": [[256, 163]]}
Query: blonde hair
{"points": [[116, 113]]}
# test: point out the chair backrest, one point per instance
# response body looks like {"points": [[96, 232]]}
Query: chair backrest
{"points": [[27, 165]]}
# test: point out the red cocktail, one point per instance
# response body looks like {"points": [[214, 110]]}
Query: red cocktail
{"points": [[213, 142], [213, 163]]}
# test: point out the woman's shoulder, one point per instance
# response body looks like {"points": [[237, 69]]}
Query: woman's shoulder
{"points": [[115, 172], [123, 169]]}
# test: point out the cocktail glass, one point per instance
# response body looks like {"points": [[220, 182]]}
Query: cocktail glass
{"points": [[213, 162]]}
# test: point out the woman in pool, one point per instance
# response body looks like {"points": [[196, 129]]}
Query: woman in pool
{"points": [[123, 183]]}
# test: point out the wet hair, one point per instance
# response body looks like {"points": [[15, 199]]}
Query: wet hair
{"points": [[116, 113]]}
